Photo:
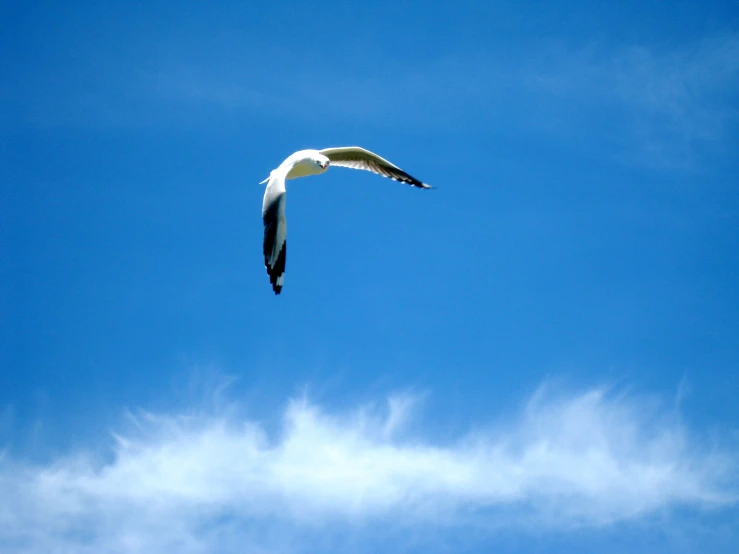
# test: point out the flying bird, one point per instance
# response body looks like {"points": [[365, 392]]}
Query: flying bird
{"points": [[302, 164]]}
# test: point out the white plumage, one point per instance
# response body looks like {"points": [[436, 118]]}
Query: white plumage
{"points": [[302, 164]]}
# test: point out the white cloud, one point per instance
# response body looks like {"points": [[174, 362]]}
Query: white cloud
{"points": [[214, 482]]}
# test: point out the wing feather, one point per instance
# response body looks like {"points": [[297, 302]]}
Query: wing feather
{"points": [[355, 157], [275, 232]]}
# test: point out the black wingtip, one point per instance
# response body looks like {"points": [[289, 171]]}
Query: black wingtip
{"points": [[420, 185], [277, 287], [277, 272], [410, 180]]}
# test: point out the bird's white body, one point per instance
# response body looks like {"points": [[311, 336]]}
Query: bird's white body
{"points": [[305, 163], [302, 163]]}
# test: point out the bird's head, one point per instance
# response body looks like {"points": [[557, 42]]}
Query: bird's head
{"points": [[321, 161]]}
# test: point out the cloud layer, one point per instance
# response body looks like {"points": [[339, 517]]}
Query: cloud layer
{"points": [[199, 482]]}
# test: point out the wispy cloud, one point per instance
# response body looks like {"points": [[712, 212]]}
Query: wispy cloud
{"points": [[206, 482], [665, 108], [661, 108]]}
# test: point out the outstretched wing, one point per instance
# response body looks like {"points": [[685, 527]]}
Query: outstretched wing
{"points": [[359, 158], [275, 231]]}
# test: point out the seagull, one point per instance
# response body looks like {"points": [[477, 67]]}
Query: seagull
{"points": [[303, 164]]}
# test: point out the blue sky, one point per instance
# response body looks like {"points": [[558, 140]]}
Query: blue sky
{"points": [[540, 355]]}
